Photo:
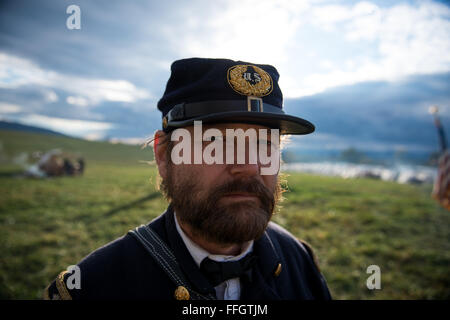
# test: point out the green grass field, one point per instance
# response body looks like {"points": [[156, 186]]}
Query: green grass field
{"points": [[46, 225]]}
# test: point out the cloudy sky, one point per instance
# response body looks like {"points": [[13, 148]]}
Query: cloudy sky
{"points": [[365, 72]]}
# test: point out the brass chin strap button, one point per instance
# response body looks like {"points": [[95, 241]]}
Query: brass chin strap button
{"points": [[181, 293], [277, 270]]}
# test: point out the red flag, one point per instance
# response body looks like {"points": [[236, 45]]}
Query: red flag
{"points": [[441, 189]]}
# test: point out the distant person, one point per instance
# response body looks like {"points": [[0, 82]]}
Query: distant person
{"points": [[69, 168], [52, 163], [215, 240], [80, 166]]}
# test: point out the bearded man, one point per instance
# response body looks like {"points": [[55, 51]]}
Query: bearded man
{"points": [[216, 240]]}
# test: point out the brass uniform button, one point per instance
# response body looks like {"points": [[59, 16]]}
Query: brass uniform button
{"points": [[164, 122], [277, 270], [181, 293]]}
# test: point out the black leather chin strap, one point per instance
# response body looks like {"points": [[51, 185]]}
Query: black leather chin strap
{"points": [[185, 111]]}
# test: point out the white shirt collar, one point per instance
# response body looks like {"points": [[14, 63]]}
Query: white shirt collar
{"points": [[198, 253]]}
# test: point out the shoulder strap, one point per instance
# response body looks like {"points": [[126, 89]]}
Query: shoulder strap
{"points": [[166, 259]]}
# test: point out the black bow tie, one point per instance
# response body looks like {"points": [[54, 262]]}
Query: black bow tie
{"points": [[218, 272]]}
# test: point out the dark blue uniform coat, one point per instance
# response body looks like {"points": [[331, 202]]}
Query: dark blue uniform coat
{"points": [[123, 269]]}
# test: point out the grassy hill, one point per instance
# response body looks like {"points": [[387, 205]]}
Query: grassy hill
{"points": [[8, 125], [12, 143], [46, 225]]}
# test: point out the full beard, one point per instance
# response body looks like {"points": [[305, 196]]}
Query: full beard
{"points": [[208, 218]]}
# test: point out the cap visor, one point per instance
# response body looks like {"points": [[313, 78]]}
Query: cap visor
{"points": [[286, 123]]}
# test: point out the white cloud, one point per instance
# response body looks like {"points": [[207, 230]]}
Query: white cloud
{"points": [[78, 101], [327, 16], [392, 42], [9, 108], [409, 40], [16, 72], [94, 136], [132, 141], [251, 30], [80, 128], [51, 96]]}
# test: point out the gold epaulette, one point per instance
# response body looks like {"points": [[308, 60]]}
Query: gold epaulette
{"points": [[57, 290]]}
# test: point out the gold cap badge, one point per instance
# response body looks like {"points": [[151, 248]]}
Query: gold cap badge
{"points": [[181, 293], [249, 80]]}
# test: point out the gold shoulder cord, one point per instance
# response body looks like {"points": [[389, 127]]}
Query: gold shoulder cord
{"points": [[65, 295]]}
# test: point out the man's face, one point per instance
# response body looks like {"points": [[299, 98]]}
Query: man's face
{"points": [[223, 203]]}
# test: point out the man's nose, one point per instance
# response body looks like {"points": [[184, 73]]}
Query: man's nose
{"points": [[249, 167], [246, 169]]}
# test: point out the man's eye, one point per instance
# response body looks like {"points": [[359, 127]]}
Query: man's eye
{"points": [[212, 138]]}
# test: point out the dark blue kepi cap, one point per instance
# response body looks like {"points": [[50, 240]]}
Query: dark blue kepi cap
{"points": [[222, 90]]}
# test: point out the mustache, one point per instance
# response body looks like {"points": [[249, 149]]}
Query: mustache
{"points": [[253, 187]]}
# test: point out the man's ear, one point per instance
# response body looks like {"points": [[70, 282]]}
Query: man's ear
{"points": [[160, 152]]}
